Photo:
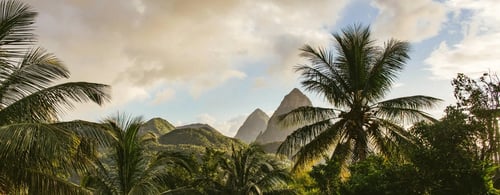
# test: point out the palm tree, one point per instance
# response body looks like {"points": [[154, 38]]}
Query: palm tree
{"points": [[37, 153], [250, 171], [132, 164], [353, 78]]}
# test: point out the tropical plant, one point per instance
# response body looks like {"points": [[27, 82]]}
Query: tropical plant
{"points": [[481, 100], [133, 164], [353, 78], [447, 156], [245, 171], [326, 176], [37, 152], [378, 175]]}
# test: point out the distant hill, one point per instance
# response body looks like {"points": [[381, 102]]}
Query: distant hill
{"points": [[157, 126], [275, 132], [253, 126], [198, 135]]}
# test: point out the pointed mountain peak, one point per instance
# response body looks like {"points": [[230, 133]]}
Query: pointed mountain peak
{"points": [[258, 111], [292, 100], [275, 132], [253, 125], [295, 94], [295, 90]]}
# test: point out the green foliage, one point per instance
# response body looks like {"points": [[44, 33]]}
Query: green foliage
{"points": [[327, 176], [304, 184], [131, 165], [481, 99], [38, 154], [448, 156], [354, 77], [444, 159], [375, 175], [244, 171]]}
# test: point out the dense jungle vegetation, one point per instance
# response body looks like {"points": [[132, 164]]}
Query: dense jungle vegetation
{"points": [[362, 144]]}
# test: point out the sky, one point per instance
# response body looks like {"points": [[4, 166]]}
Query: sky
{"points": [[216, 61]]}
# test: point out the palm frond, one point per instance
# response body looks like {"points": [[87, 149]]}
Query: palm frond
{"points": [[391, 139], [90, 130], [355, 51], [323, 76], [385, 68], [41, 183], [36, 142], [406, 110], [319, 146], [36, 71], [47, 104], [16, 28], [411, 102], [306, 115], [302, 137], [38, 153], [133, 164]]}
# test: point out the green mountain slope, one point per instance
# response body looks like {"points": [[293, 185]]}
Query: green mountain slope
{"points": [[198, 135], [157, 126]]}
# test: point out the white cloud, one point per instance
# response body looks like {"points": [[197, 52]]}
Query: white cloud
{"points": [[412, 20], [206, 118], [476, 53], [195, 44], [228, 128]]}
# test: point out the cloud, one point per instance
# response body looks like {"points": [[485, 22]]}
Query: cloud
{"points": [[476, 53], [412, 20], [228, 128], [197, 45]]}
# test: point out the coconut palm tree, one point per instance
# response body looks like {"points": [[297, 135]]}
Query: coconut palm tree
{"points": [[132, 164], [249, 171], [36, 153], [354, 77]]}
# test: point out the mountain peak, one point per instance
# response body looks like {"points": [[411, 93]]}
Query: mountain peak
{"points": [[156, 125], [274, 132], [253, 126], [258, 111], [296, 90]]}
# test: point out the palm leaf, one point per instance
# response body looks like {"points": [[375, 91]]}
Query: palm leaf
{"points": [[412, 102], [38, 152], [16, 28], [323, 76], [406, 110], [307, 114], [319, 146], [385, 68], [355, 52], [36, 71], [89, 130], [47, 104], [302, 137]]}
